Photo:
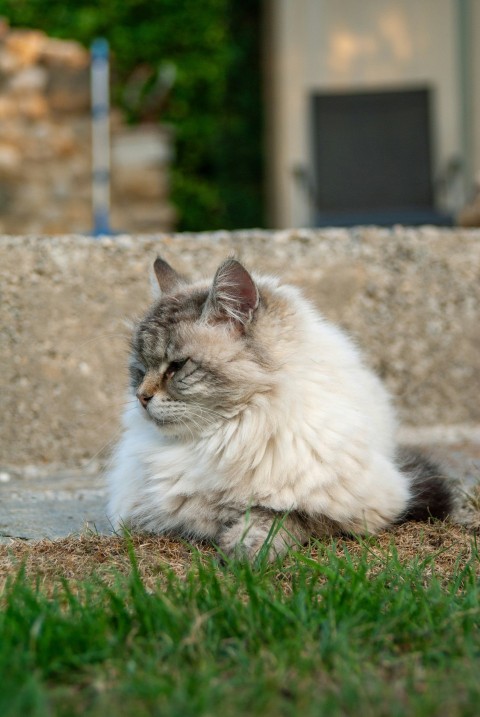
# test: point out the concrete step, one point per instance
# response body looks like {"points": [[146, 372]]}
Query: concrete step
{"points": [[36, 504]]}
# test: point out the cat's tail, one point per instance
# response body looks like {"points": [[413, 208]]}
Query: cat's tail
{"points": [[432, 491]]}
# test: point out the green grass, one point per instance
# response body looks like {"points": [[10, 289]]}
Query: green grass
{"points": [[327, 632]]}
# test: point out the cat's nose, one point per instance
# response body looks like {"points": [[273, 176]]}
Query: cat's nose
{"points": [[144, 398]]}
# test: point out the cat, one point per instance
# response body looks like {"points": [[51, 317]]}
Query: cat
{"points": [[254, 411]]}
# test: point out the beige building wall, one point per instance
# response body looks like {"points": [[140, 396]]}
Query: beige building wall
{"points": [[475, 81], [348, 45]]}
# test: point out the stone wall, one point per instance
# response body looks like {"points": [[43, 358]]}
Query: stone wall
{"points": [[45, 154], [411, 299]]}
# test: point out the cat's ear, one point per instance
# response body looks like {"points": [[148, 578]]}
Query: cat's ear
{"points": [[233, 296], [167, 278]]}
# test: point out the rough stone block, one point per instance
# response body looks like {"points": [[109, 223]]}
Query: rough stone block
{"points": [[64, 54], [25, 46]]}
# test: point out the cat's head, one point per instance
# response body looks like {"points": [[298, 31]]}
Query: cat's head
{"points": [[197, 356]]}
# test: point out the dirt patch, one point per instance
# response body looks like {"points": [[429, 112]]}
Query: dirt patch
{"points": [[443, 547], [80, 557]]}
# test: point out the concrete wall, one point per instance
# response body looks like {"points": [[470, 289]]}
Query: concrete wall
{"points": [[410, 297]]}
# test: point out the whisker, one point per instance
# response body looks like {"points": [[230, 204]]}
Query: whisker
{"points": [[206, 421], [197, 425], [104, 447], [98, 426], [207, 411], [126, 406], [188, 427], [96, 338]]}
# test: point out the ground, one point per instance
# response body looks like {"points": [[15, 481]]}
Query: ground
{"points": [[447, 547]]}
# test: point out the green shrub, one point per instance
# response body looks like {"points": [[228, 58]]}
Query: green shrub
{"points": [[214, 106]]}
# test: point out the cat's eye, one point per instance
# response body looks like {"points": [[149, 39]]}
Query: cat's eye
{"points": [[137, 373], [139, 369], [175, 366]]}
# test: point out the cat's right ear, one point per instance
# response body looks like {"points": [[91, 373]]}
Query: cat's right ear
{"points": [[167, 279], [233, 297]]}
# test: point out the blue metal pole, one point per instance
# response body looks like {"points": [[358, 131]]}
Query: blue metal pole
{"points": [[100, 137]]}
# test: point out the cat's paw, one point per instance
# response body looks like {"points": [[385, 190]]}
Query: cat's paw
{"points": [[244, 542]]}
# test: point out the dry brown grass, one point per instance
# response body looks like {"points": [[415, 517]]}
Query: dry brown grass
{"points": [[79, 557], [446, 547]]}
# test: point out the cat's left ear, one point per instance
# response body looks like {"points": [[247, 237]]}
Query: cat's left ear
{"points": [[167, 279], [233, 296]]}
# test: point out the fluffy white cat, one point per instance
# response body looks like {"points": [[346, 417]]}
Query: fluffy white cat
{"points": [[253, 407]]}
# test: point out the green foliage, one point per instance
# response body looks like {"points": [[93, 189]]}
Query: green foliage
{"points": [[323, 633], [215, 105]]}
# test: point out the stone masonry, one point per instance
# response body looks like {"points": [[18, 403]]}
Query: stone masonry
{"points": [[45, 148]]}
